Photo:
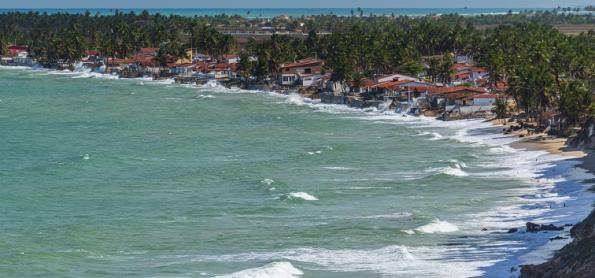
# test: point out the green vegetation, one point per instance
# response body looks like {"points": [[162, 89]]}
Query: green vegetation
{"points": [[545, 69]]}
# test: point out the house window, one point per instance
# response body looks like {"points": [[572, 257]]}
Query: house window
{"points": [[308, 70]]}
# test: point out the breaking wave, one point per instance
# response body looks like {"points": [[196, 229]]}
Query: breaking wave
{"points": [[272, 270], [457, 172], [301, 195], [437, 226]]}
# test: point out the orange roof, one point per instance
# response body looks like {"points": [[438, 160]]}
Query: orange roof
{"points": [[391, 84], [457, 89], [428, 88], [459, 67], [117, 61], [302, 63], [486, 95], [224, 66], [182, 65]]}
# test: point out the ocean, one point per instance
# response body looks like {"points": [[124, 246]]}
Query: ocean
{"points": [[294, 12], [140, 178]]}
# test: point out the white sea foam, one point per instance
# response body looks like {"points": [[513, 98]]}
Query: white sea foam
{"points": [[436, 136], [395, 215], [339, 168], [272, 270], [455, 171], [437, 226], [267, 181], [393, 260], [302, 195], [169, 81], [205, 97]]}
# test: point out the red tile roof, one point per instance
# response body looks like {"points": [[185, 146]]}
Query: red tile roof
{"points": [[392, 85], [457, 90], [486, 95], [224, 66], [302, 63]]}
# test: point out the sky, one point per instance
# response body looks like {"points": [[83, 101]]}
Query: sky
{"points": [[290, 4]]}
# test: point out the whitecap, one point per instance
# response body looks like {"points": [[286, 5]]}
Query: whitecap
{"points": [[436, 136], [338, 168], [393, 260], [302, 195], [457, 172], [267, 181], [205, 97], [272, 270], [395, 215], [437, 226]]}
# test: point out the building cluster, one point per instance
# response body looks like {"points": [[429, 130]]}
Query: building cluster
{"points": [[466, 96]]}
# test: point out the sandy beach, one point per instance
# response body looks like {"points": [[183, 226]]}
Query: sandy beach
{"points": [[570, 249]]}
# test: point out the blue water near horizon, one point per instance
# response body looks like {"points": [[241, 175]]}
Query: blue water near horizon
{"points": [[273, 12]]}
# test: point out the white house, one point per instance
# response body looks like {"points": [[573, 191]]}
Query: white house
{"points": [[182, 69], [23, 59]]}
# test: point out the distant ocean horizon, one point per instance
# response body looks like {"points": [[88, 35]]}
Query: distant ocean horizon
{"points": [[273, 12]]}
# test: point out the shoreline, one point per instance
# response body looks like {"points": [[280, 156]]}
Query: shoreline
{"points": [[538, 142], [549, 252]]}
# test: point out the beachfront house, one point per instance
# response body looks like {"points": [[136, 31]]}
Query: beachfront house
{"points": [[223, 71], [181, 70], [15, 50], [484, 99], [291, 73], [389, 85], [465, 73], [465, 100], [23, 59]]}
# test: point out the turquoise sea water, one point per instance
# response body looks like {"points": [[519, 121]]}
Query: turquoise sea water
{"points": [[295, 12], [137, 178]]}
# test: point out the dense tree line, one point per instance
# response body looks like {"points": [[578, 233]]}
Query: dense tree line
{"points": [[66, 36], [545, 69]]}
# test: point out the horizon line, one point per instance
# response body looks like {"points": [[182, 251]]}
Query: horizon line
{"points": [[288, 8]]}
